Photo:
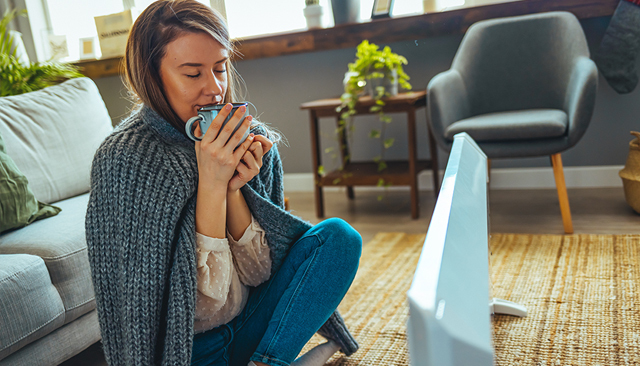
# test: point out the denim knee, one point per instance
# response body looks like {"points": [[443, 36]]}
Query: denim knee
{"points": [[347, 241]]}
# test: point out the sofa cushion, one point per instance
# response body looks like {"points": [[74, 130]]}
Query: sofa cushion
{"points": [[512, 125], [60, 241], [52, 135], [30, 306], [18, 205]]}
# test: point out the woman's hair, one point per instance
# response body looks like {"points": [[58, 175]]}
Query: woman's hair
{"points": [[160, 23]]}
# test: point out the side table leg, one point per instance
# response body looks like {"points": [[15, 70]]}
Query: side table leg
{"points": [[344, 152], [315, 151], [411, 134]]}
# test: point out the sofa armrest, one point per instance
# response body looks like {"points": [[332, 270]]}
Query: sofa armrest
{"points": [[447, 102], [580, 97]]}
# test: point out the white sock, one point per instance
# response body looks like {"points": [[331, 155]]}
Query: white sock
{"points": [[318, 355]]}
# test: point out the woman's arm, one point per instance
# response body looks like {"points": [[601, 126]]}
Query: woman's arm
{"points": [[238, 214], [251, 255]]}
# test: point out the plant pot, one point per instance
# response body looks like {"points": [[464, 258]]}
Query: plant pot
{"points": [[391, 86], [18, 48], [631, 174], [429, 6], [313, 14], [345, 11]]}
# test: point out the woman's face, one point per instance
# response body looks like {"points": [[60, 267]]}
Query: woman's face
{"points": [[194, 73]]}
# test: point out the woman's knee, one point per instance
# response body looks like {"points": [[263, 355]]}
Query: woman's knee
{"points": [[347, 241]]}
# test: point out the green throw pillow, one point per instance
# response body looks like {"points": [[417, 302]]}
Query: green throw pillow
{"points": [[18, 205]]}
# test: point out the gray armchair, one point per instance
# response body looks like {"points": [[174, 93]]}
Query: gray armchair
{"points": [[521, 87]]}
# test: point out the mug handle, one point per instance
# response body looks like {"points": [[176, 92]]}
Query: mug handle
{"points": [[189, 127]]}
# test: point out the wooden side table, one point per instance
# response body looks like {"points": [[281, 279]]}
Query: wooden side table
{"points": [[398, 173]]}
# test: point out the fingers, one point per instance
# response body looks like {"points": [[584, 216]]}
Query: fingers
{"points": [[226, 136], [265, 142], [248, 167], [244, 147], [197, 132], [253, 159], [256, 151], [216, 124]]}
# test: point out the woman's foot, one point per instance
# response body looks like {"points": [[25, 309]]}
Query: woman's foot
{"points": [[318, 355], [315, 357]]}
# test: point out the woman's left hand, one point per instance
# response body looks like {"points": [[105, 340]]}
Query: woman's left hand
{"points": [[250, 163]]}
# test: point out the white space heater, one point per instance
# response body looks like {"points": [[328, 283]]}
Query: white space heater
{"points": [[450, 304]]}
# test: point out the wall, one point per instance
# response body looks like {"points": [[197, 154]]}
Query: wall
{"points": [[277, 86]]}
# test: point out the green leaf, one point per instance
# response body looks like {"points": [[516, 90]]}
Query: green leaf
{"points": [[18, 78], [389, 142], [380, 182], [382, 165], [328, 150], [321, 170], [374, 134], [336, 181], [386, 119]]}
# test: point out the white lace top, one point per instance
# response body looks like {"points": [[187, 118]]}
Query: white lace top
{"points": [[225, 268]]}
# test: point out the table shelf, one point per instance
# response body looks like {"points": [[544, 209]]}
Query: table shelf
{"points": [[367, 174]]}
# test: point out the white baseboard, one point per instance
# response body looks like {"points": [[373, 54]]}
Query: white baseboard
{"points": [[506, 178]]}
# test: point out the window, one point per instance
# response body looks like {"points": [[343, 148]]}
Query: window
{"points": [[74, 19], [246, 18]]}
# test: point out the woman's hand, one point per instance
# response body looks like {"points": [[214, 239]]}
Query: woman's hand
{"points": [[251, 162], [217, 155]]}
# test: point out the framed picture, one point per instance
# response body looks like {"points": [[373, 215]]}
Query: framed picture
{"points": [[58, 46], [381, 9], [88, 47]]}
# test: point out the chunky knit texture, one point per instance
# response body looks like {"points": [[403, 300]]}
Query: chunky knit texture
{"points": [[140, 229]]}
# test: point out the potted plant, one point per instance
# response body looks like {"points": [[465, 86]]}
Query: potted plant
{"points": [[19, 77], [377, 73], [345, 11], [313, 14], [631, 174]]}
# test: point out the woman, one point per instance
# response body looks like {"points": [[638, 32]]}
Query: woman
{"points": [[194, 260]]}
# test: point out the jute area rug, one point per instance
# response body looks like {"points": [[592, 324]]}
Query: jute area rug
{"points": [[581, 293]]}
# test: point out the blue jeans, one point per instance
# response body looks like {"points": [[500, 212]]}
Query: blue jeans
{"points": [[283, 313]]}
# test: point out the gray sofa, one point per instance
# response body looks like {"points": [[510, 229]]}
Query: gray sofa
{"points": [[47, 305]]}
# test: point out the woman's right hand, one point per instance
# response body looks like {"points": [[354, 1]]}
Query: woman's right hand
{"points": [[217, 155]]}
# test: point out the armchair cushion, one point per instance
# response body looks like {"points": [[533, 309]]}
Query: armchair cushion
{"points": [[514, 125]]}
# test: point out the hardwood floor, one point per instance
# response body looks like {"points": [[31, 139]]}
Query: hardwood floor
{"points": [[594, 211]]}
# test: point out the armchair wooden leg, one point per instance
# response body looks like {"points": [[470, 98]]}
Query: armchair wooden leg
{"points": [[563, 198]]}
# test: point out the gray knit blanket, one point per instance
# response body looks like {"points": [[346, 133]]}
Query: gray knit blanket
{"points": [[140, 230]]}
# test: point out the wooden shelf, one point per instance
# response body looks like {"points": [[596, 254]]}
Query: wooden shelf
{"points": [[367, 174], [327, 107], [383, 31]]}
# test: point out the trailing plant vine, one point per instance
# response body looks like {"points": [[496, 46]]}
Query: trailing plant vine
{"points": [[373, 72]]}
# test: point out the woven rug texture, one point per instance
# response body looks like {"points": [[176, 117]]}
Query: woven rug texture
{"points": [[581, 293]]}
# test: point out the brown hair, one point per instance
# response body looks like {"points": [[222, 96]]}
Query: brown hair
{"points": [[160, 23]]}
